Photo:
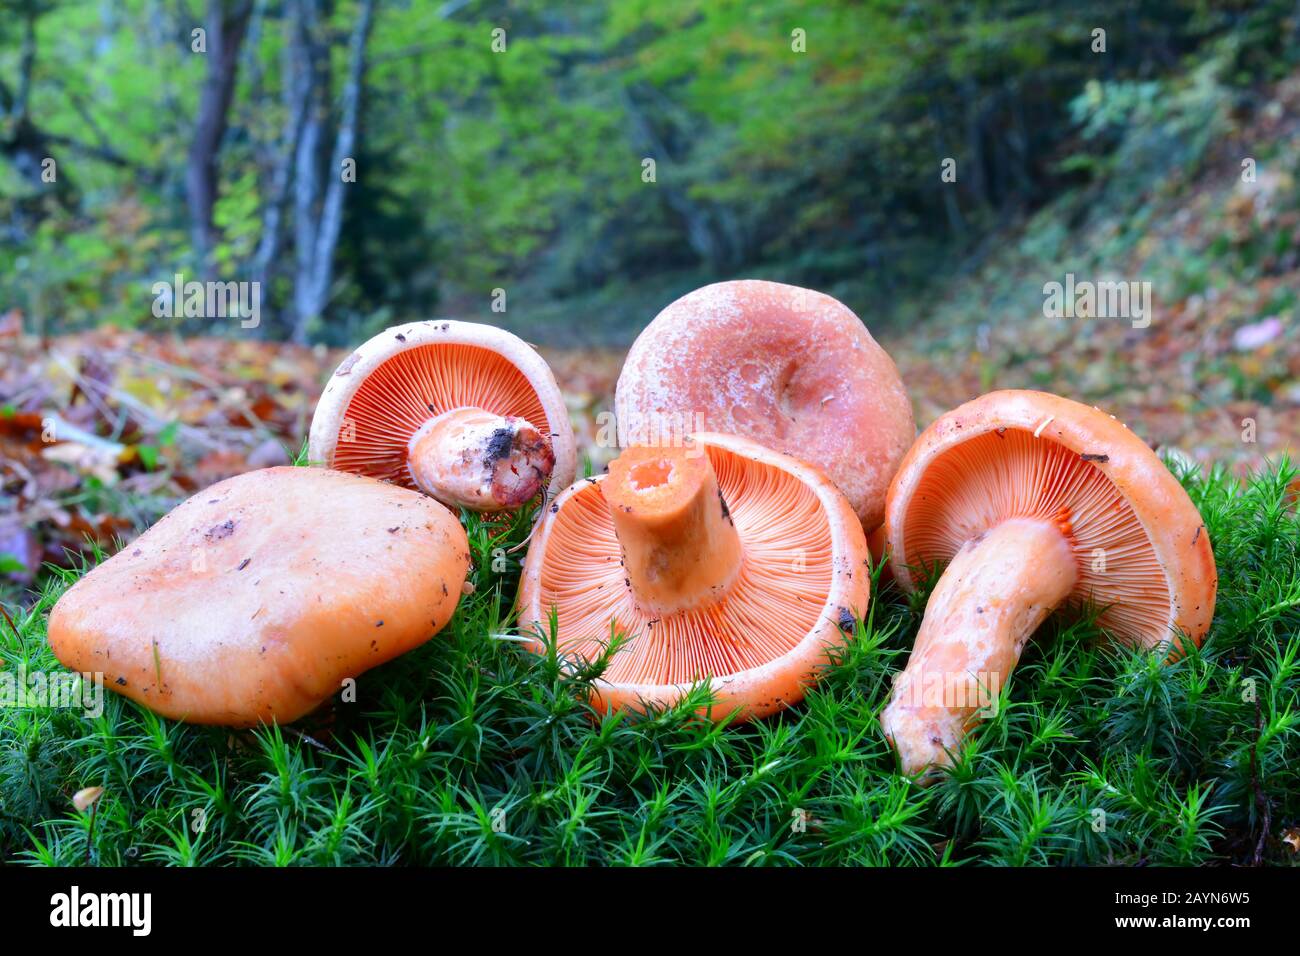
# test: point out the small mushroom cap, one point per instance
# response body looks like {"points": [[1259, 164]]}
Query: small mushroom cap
{"points": [[792, 369], [251, 601], [85, 798], [1142, 550], [803, 580], [383, 393]]}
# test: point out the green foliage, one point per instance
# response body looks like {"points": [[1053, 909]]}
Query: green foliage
{"points": [[801, 141], [472, 750]]}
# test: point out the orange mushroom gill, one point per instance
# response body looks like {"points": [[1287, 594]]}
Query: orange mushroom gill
{"points": [[468, 414], [977, 484], [719, 562], [453, 421], [1034, 502]]}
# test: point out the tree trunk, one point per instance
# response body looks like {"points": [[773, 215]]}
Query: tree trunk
{"points": [[318, 195], [227, 24], [296, 92], [25, 144], [707, 238]]}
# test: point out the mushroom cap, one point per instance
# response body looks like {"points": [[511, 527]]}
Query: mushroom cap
{"points": [[391, 385], [1143, 552], [788, 367], [252, 600], [804, 575]]}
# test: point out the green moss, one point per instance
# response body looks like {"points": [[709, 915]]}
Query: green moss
{"points": [[471, 750]]}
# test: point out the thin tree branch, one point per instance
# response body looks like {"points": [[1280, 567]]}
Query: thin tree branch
{"points": [[332, 213]]}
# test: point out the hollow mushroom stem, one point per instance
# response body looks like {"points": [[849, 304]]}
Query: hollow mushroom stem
{"points": [[680, 547], [994, 594], [471, 458]]}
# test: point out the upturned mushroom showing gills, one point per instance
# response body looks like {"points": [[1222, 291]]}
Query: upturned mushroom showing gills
{"points": [[469, 414], [253, 600], [1033, 501], [792, 369], [721, 561]]}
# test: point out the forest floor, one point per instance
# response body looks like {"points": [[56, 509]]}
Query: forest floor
{"points": [[145, 420], [1214, 376]]}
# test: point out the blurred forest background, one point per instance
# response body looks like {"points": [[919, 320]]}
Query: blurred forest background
{"points": [[515, 160], [375, 161]]}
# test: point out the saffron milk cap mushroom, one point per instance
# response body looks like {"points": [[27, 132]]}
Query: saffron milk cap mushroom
{"points": [[1033, 501], [253, 600], [720, 560], [791, 368], [469, 414]]}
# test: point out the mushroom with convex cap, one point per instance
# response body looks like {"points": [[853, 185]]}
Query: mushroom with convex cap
{"points": [[793, 369], [254, 599], [467, 413], [721, 561], [1033, 501]]}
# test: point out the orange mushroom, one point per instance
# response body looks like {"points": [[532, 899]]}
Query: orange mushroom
{"points": [[788, 367], [1033, 500], [253, 600], [469, 414], [722, 561]]}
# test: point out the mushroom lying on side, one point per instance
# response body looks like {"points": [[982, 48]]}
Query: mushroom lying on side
{"points": [[469, 414], [792, 369], [1033, 500], [251, 601], [723, 560]]}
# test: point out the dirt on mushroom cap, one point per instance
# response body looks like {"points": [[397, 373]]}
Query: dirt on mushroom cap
{"points": [[254, 599]]}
